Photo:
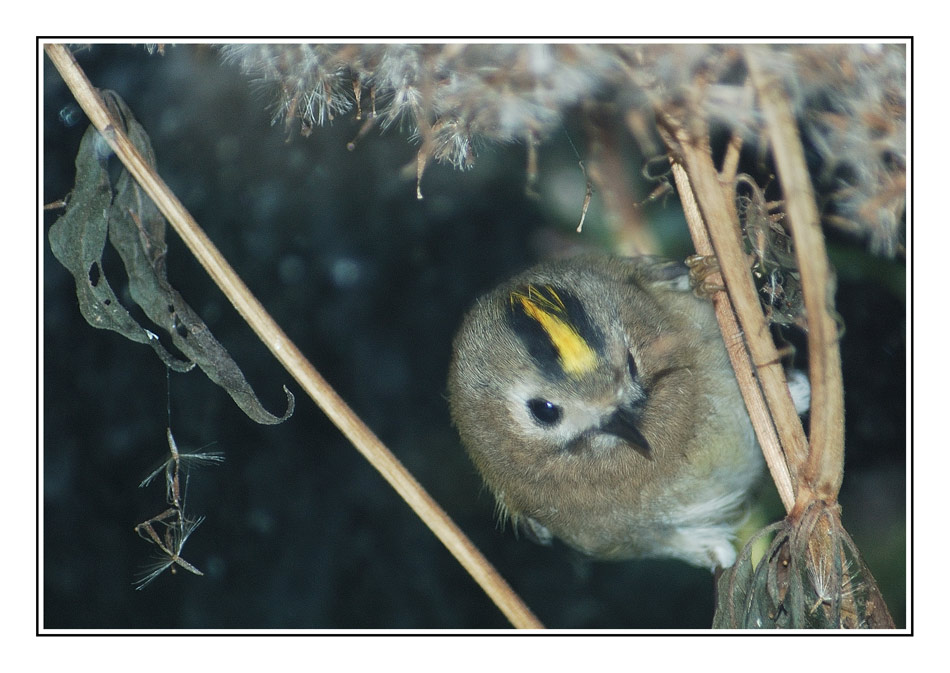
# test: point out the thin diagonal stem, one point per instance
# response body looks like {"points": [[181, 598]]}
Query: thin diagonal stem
{"points": [[287, 352]]}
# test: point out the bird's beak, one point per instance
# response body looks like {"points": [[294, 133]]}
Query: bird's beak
{"points": [[623, 424]]}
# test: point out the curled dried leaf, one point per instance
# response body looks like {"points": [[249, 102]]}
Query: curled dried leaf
{"points": [[136, 229], [811, 577], [78, 239]]}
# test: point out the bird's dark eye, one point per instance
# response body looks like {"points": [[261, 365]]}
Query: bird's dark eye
{"points": [[546, 413], [632, 366]]}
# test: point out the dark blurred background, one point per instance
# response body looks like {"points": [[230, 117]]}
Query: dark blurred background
{"points": [[300, 532]]}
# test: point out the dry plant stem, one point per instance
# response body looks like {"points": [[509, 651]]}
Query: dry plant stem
{"points": [[730, 163], [289, 355], [824, 468], [722, 222], [738, 355], [607, 170]]}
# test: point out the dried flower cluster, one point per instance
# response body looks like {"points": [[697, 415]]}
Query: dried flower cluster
{"points": [[850, 101], [448, 95]]}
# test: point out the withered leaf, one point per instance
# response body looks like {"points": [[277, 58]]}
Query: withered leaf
{"points": [[744, 598], [136, 229], [812, 577], [78, 239]]}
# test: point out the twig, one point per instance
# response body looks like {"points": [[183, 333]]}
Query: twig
{"points": [[824, 469], [608, 171], [730, 163], [738, 354], [691, 148], [286, 352]]}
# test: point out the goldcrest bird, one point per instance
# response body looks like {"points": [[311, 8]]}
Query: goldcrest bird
{"points": [[595, 397]]}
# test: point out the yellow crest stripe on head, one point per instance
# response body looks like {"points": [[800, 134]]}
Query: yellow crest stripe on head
{"points": [[574, 353]]}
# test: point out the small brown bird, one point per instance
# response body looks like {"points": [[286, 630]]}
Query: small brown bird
{"points": [[596, 399]]}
